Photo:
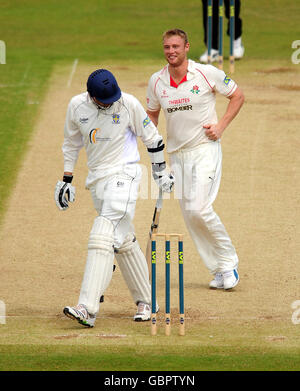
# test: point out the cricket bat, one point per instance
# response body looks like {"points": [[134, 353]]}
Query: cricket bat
{"points": [[154, 227]]}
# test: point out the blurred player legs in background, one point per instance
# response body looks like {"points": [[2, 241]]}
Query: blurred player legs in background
{"points": [[238, 46]]}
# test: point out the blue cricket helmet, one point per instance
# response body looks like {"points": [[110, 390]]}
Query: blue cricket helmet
{"points": [[103, 86]]}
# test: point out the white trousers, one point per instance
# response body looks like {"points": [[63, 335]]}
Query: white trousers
{"points": [[198, 176], [112, 236], [114, 198]]}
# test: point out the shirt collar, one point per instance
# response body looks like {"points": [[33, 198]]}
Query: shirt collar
{"points": [[191, 69], [165, 75]]}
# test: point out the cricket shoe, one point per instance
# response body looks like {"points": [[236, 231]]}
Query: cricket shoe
{"points": [[80, 314], [217, 282], [231, 279], [238, 49], [143, 312], [214, 55]]}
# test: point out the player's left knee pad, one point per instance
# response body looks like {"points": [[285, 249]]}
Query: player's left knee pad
{"points": [[133, 265], [101, 235]]}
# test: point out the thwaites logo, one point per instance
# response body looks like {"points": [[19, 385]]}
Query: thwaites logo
{"points": [[180, 101]]}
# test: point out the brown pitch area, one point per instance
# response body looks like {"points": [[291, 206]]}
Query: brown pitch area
{"points": [[43, 250]]}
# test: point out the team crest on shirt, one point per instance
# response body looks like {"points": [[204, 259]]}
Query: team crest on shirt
{"points": [[226, 80], [116, 118], [195, 90]]}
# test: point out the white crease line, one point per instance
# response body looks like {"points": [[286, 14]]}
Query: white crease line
{"points": [[25, 74], [21, 82], [72, 72]]}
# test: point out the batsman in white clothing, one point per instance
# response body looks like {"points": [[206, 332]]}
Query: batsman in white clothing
{"points": [[106, 122], [186, 92]]}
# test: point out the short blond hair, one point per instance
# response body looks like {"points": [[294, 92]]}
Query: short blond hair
{"points": [[180, 33]]}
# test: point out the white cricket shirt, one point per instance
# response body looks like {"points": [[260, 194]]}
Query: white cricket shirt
{"points": [[109, 136], [189, 106]]}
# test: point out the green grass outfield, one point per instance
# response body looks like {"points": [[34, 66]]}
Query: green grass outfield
{"points": [[40, 35], [67, 358]]}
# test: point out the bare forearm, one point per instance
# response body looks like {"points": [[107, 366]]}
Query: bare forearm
{"points": [[153, 115], [234, 106], [215, 131]]}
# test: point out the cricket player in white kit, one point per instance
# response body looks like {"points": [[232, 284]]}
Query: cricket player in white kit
{"points": [[186, 92], [107, 123]]}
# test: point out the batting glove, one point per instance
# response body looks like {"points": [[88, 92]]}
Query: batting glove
{"points": [[64, 193], [164, 181]]}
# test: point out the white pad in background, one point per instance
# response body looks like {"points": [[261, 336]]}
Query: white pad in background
{"points": [[99, 264], [133, 266]]}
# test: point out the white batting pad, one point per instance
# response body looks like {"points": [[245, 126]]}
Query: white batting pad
{"points": [[99, 264], [133, 265]]}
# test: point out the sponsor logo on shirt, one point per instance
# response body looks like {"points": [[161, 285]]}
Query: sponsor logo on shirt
{"points": [[164, 94], [83, 120], [116, 118], [226, 80], [95, 136], [146, 121], [195, 90], [179, 101], [179, 108]]}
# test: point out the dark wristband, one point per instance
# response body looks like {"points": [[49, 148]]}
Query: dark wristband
{"points": [[68, 178]]}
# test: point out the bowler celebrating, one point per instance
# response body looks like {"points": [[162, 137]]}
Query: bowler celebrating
{"points": [[186, 92]]}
